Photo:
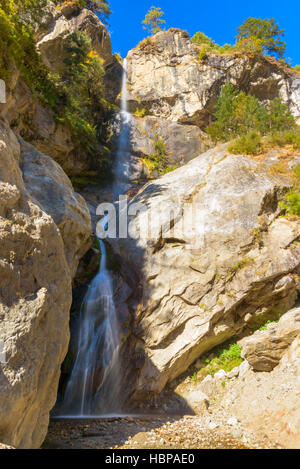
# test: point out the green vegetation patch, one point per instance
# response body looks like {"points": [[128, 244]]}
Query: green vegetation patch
{"points": [[226, 357], [248, 144], [238, 113], [255, 36], [291, 202]]}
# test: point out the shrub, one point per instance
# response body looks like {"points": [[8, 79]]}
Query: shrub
{"points": [[238, 113], [17, 46], [226, 49], [264, 32], [202, 54], [226, 358], [207, 46], [248, 144], [249, 46], [140, 112], [297, 68], [158, 160], [291, 202], [286, 137], [201, 39]]}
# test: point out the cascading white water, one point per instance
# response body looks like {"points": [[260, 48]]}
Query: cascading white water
{"points": [[98, 345], [94, 388], [122, 162]]}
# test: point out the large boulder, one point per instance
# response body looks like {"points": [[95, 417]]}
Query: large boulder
{"points": [[268, 403], [52, 189], [167, 78], [208, 257], [264, 349], [35, 298]]}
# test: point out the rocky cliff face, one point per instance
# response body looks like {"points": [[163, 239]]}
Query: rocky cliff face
{"points": [[166, 77], [47, 183], [216, 260], [180, 144], [35, 293], [36, 122], [60, 25]]}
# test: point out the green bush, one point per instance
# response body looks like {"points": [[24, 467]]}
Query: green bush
{"points": [[297, 68], [264, 32], [226, 49], [238, 113], [201, 39], [285, 137], [140, 112], [291, 202], [248, 46], [17, 45], [248, 144], [83, 91], [158, 160], [226, 358]]}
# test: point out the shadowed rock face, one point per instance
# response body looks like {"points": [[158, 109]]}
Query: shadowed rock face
{"points": [[52, 189], [181, 143], [35, 298], [166, 77], [219, 269]]}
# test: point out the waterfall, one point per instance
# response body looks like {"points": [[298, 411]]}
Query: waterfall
{"points": [[94, 388], [122, 163]]}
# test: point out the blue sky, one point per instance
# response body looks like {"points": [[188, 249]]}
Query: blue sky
{"points": [[216, 18]]}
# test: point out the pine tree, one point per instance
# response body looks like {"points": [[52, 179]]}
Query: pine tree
{"points": [[266, 32], [153, 20]]}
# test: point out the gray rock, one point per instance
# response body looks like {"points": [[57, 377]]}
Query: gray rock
{"points": [[232, 421], [167, 78], [264, 349], [197, 400], [220, 374], [198, 265], [234, 373], [35, 300], [52, 189], [51, 45]]}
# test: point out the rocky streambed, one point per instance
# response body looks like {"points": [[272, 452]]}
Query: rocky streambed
{"points": [[150, 432]]}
